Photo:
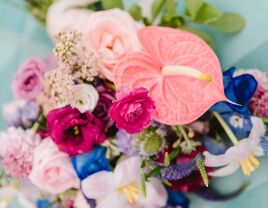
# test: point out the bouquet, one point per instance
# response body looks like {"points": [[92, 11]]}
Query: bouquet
{"points": [[130, 111]]}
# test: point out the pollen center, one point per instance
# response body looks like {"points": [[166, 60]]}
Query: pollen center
{"points": [[131, 191]]}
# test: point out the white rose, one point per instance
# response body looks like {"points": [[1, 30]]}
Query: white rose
{"points": [[85, 97]]}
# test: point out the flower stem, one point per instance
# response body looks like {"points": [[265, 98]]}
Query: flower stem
{"points": [[226, 128], [183, 132]]}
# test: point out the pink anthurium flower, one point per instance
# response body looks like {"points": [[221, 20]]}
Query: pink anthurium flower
{"points": [[181, 72], [122, 189], [243, 153]]}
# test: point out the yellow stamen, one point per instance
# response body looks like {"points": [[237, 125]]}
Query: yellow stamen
{"points": [[131, 191], [76, 130], [249, 164], [176, 70]]}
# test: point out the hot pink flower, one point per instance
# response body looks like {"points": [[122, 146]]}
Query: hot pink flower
{"points": [[17, 147], [133, 112], [52, 170], [27, 82], [74, 132]]}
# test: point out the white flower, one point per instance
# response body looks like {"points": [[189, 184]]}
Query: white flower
{"points": [[243, 153], [85, 97], [122, 189]]}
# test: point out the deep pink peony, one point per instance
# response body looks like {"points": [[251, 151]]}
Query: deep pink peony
{"points": [[133, 112], [74, 132], [27, 82]]}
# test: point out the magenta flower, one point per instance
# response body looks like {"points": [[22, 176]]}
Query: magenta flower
{"points": [[74, 132], [27, 82], [133, 112]]}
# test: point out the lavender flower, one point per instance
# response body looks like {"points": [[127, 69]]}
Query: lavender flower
{"points": [[179, 171], [20, 113], [126, 143]]}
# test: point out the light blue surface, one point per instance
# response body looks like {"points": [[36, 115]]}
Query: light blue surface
{"points": [[21, 37]]}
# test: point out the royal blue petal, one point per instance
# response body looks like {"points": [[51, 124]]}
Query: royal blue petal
{"points": [[176, 198], [92, 162], [43, 203], [213, 146]]}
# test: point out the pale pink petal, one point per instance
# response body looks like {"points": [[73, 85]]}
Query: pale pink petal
{"points": [[178, 99], [217, 160], [113, 200], [98, 185], [258, 128], [156, 195], [127, 171], [225, 171]]}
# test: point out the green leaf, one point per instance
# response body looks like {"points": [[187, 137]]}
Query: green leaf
{"points": [[202, 34], [171, 7], [143, 182], [207, 14], [166, 160], [229, 22], [174, 21], [110, 4], [174, 154], [202, 170], [193, 6], [153, 172], [156, 8], [135, 11]]}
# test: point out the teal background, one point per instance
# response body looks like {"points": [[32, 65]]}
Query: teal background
{"points": [[22, 37]]}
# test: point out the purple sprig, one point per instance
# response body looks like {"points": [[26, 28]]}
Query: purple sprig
{"points": [[179, 171]]}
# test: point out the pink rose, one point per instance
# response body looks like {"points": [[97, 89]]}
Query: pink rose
{"points": [[112, 33], [27, 82], [133, 112], [52, 170]]}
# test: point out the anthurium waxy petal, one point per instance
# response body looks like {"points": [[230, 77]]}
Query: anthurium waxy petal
{"points": [[181, 98]]}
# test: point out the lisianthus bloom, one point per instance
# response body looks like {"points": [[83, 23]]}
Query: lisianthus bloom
{"points": [[126, 143], [17, 149], [121, 188], [74, 132], [84, 97], [99, 34], [132, 112], [27, 82], [106, 97], [240, 90], [20, 113], [258, 104], [92, 162], [243, 153], [52, 170]]}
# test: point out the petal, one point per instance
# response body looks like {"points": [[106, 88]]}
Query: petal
{"points": [[225, 171], [127, 171], [217, 160], [258, 129], [113, 200], [98, 185], [155, 190]]}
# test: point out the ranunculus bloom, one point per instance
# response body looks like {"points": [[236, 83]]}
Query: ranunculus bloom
{"points": [[106, 97], [52, 170], [133, 112], [113, 34], [17, 149], [27, 82], [73, 132], [92, 162]]}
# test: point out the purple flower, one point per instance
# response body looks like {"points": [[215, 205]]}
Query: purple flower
{"points": [[74, 132], [27, 82], [126, 143], [133, 112], [106, 97], [20, 113]]}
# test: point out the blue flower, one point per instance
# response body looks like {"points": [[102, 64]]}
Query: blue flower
{"points": [[264, 144], [213, 146], [238, 89], [43, 203], [92, 162], [176, 198]]}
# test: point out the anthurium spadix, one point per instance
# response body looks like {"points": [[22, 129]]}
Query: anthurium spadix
{"points": [[181, 72]]}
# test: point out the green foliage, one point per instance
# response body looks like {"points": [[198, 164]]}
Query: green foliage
{"points": [[156, 8], [202, 170], [193, 7], [207, 14], [135, 12], [229, 22], [110, 4]]}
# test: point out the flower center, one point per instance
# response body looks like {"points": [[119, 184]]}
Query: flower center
{"points": [[249, 164], [131, 191], [177, 70], [76, 130]]}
